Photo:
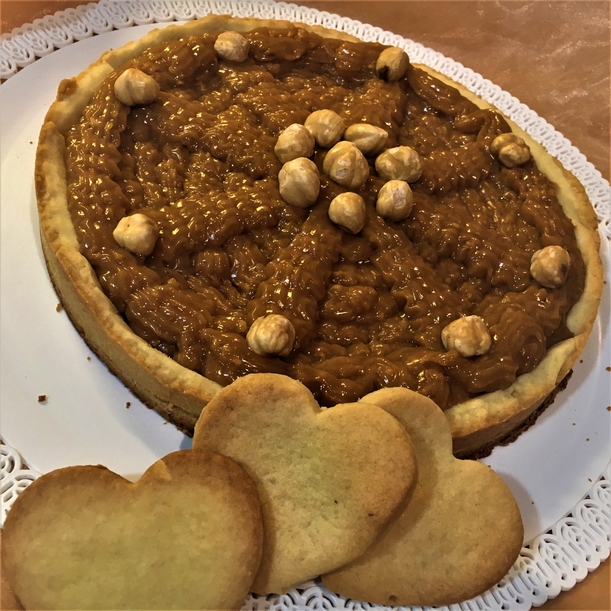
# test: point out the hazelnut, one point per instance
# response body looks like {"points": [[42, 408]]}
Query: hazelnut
{"points": [[295, 141], [134, 87], [512, 155], [232, 46], [369, 139], [299, 182], [271, 334], [392, 64], [399, 163], [348, 211], [467, 335], [326, 126], [510, 150], [395, 200], [503, 139], [550, 266], [346, 165], [137, 232]]}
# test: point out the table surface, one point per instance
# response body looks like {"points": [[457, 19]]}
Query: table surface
{"points": [[553, 56]]}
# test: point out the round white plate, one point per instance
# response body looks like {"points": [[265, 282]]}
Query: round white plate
{"points": [[85, 418]]}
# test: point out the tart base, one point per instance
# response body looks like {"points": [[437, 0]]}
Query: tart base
{"points": [[179, 394]]}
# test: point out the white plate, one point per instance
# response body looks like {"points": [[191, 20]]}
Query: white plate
{"points": [[84, 420]]}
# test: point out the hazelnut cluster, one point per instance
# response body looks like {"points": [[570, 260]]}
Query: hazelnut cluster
{"points": [[346, 164]]}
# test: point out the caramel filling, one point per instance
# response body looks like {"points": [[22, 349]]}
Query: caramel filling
{"points": [[368, 309]]}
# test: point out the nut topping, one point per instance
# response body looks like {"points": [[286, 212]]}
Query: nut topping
{"points": [[232, 46], [346, 165], [395, 200], [137, 232], [295, 141], [271, 334], [369, 139], [510, 150], [299, 182], [392, 64], [468, 335], [550, 266], [326, 126], [348, 211], [399, 163], [134, 87]]}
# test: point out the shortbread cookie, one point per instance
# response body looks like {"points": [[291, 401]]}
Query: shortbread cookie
{"points": [[460, 533], [187, 535], [329, 480]]}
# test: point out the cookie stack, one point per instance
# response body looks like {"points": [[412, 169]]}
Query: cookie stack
{"points": [[276, 491]]}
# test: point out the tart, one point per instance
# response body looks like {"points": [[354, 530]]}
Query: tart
{"points": [[201, 220]]}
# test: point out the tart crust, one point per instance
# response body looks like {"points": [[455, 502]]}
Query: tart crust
{"points": [[179, 394]]}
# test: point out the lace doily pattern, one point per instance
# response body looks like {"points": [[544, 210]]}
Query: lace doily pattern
{"points": [[15, 476], [552, 562]]}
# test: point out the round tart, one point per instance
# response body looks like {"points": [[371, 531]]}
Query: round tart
{"points": [[233, 196]]}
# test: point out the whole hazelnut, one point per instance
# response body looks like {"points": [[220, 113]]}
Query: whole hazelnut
{"points": [[510, 150], [299, 182], [295, 141], [550, 266], [346, 165], [399, 163], [326, 126], [137, 232], [392, 64], [503, 139], [512, 155], [348, 211], [467, 335], [369, 139], [273, 334], [134, 87], [395, 200], [232, 46]]}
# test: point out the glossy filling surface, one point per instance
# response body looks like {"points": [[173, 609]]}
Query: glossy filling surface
{"points": [[368, 309]]}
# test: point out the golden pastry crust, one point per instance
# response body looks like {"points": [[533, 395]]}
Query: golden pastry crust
{"points": [[179, 394]]}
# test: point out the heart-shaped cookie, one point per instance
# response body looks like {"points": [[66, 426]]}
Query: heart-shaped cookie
{"points": [[187, 535], [329, 480], [457, 537]]}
